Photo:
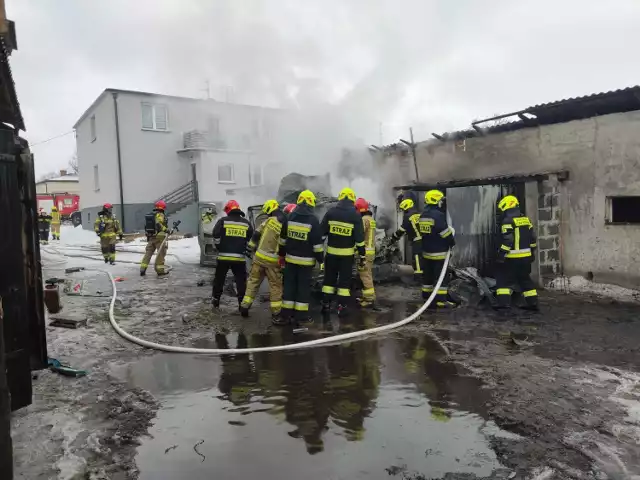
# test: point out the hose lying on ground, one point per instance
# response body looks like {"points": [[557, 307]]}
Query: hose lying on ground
{"points": [[277, 348]]}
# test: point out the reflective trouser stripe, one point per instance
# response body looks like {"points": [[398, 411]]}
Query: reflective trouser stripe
{"points": [[276, 304], [369, 291], [530, 293], [230, 259], [417, 267], [302, 307], [304, 261], [343, 252], [503, 291], [344, 292], [287, 304], [443, 291], [328, 289], [246, 300], [267, 257], [518, 255], [144, 265], [435, 256], [427, 288]]}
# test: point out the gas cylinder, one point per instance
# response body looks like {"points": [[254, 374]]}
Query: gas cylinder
{"points": [[52, 297]]}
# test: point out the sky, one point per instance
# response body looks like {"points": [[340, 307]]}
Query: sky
{"points": [[386, 65]]}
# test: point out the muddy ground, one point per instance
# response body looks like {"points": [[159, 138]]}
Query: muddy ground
{"points": [[551, 395]]}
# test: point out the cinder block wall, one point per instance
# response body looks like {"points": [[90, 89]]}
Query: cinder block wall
{"points": [[602, 156]]}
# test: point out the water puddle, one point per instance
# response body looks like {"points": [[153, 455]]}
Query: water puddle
{"points": [[374, 409]]}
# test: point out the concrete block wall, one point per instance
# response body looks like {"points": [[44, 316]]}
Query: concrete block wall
{"points": [[549, 213]]}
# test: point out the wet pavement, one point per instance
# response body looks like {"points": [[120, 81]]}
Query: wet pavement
{"points": [[371, 409]]}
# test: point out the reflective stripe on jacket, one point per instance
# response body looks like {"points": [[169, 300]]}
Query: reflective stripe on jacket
{"points": [[55, 218], [107, 226], [267, 238], [342, 225], [437, 236], [230, 235], [518, 235], [301, 238]]}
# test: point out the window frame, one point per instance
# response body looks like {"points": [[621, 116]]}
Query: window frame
{"points": [[92, 128], [154, 125], [233, 173], [96, 178], [252, 168], [608, 217]]}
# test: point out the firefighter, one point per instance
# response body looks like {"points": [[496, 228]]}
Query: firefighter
{"points": [[437, 238], [410, 221], [300, 248], [44, 221], [291, 207], [343, 228], [516, 254], [265, 243], [156, 228], [230, 235], [55, 223], [207, 216], [366, 272], [107, 227]]}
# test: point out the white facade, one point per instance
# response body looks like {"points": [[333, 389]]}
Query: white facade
{"points": [[158, 153], [62, 184]]}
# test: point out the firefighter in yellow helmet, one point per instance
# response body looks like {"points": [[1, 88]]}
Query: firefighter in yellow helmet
{"points": [[55, 223], [300, 247], [437, 238], [266, 243], [410, 225], [342, 226], [107, 227], [366, 273], [517, 252]]}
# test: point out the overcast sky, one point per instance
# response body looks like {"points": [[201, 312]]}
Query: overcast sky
{"points": [[435, 65]]}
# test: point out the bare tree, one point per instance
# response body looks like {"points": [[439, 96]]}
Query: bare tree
{"points": [[48, 175], [73, 164]]}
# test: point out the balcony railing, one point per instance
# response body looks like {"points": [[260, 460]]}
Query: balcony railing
{"points": [[202, 139]]}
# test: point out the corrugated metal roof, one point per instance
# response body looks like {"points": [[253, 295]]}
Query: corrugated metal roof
{"points": [[559, 111]]}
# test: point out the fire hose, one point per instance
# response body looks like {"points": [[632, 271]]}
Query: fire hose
{"points": [[334, 339]]}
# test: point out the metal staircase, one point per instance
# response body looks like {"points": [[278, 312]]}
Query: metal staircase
{"points": [[181, 197]]}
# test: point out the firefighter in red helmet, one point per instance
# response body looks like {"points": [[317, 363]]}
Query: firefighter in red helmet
{"points": [[156, 227], [107, 227], [230, 236], [366, 270]]}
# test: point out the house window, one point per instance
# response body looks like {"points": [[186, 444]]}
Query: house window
{"points": [[256, 174], [96, 179], [92, 123], [154, 117], [226, 174], [213, 126], [623, 210]]}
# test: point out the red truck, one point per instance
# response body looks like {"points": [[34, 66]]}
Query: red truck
{"points": [[68, 205]]}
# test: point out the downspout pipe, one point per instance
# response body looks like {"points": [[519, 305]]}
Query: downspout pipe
{"points": [[115, 110]]}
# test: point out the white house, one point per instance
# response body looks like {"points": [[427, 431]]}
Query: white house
{"points": [[64, 183], [136, 147]]}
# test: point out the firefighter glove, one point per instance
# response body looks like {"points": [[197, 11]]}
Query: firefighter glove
{"points": [[281, 262], [362, 263]]}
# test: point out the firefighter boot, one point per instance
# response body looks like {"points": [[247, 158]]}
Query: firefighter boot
{"points": [[326, 307], [280, 320], [143, 271], [106, 260], [215, 302], [244, 311]]}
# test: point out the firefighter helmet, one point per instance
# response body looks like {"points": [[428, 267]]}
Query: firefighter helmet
{"points": [[362, 205], [270, 206], [54, 208], [347, 193], [406, 204], [231, 205], [307, 196], [289, 208], [508, 202], [433, 197], [107, 206], [161, 205]]}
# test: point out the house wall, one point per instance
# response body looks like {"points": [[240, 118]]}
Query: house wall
{"points": [[58, 187], [151, 163], [100, 152], [602, 156]]}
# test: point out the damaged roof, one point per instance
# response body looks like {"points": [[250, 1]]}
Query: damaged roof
{"points": [[495, 180], [560, 111]]}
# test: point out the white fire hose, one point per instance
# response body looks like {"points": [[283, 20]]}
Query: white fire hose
{"points": [[334, 339]]}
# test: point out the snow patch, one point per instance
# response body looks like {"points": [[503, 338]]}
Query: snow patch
{"points": [[578, 284], [70, 235]]}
